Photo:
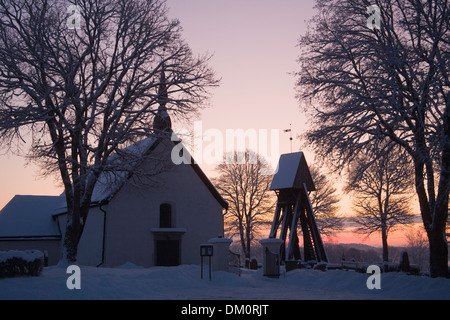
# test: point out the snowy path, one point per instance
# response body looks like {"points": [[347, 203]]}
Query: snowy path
{"points": [[184, 282]]}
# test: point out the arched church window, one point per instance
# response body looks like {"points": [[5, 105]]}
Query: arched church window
{"points": [[165, 215]]}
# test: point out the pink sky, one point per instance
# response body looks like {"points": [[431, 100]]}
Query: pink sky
{"points": [[254, 47]]}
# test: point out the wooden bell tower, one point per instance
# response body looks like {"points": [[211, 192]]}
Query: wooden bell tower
{"points": [[292, 182]]}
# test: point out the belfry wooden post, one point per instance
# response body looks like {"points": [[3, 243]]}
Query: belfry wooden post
{"points": [[294, 212]]}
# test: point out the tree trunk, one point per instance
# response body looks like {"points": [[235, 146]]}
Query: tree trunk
{"points": [[434, 222], [385, 244], [71, 240], [438, 255], [74, 230], [242, 237], [436, 235], [248, 241], [436, 232], [438, 241]]}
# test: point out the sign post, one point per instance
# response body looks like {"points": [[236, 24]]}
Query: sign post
{"points": [[206, 250]]}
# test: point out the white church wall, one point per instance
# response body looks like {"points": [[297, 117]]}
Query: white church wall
{"points": [[133, 216], [198, 212], [90, 247], [129, 219]]}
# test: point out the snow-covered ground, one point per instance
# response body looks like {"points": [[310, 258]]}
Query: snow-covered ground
{"points": [[184, 282]]}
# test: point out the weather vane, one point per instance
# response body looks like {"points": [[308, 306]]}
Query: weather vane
{"points": [[290, 134]]}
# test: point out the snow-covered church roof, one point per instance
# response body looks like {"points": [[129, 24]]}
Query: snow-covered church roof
{"points": [[110, 182], [29, 217], [32, 217], [122, 164]]}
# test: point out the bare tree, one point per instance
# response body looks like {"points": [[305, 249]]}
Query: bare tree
{"points": [[243, 184], [83, 79], [417, 246], [324, 201], [382, 189], [363, 83]]}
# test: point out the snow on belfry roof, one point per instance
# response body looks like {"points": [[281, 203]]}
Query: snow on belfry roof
{"points": [[29, 216], [292, 172]]}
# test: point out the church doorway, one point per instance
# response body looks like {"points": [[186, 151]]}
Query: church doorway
{"points": [[168, 252]]}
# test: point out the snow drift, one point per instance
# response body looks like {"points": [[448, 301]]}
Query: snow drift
{"points": [[184, 283]]}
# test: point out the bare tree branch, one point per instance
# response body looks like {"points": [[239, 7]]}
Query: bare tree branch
{"points": [[246, 189], [363, 85], [86, 92]]}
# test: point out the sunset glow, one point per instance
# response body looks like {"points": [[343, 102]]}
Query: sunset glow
{"points": [[254, 47]]}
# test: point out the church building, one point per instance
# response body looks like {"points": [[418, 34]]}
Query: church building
{"points": [[157, 216]]}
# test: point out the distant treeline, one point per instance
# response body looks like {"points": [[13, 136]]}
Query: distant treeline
{"points": [[356, 252]]}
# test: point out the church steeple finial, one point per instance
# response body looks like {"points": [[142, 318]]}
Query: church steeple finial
{"points": [[163, 97], [162, 122]]}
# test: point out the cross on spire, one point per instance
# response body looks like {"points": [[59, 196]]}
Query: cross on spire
{"points": [[162, 122]]}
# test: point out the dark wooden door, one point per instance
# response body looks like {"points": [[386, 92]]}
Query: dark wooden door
{"points": [[167, 252]]}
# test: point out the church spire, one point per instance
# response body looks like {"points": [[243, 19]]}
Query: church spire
{"points": [[162, 122], [162, 90]]}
